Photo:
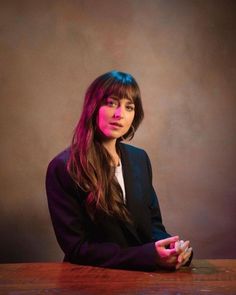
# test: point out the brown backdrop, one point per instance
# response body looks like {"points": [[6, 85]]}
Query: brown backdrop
{"points": [[182, 53]]}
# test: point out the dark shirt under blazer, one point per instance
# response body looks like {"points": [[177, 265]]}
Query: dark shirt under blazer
{"points": [[110, 242]]}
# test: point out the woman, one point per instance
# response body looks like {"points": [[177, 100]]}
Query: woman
{"points": [[102, 203]]}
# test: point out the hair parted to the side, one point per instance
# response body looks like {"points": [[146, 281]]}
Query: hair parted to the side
{"points": [[89, 163]]}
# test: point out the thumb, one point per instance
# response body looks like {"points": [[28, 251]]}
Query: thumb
{"points": [[167, 241]]}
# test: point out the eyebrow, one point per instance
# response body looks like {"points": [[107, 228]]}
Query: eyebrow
{"points": [[126, 98]]}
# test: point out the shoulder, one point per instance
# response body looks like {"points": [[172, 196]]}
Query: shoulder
{"points": [[132, 150], [62, 156], [57, 166], [57, 174], [136, 159], [60, 159], [133, 154]]}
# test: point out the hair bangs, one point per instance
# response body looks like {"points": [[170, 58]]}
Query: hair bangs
{"points": [[121, 90]]}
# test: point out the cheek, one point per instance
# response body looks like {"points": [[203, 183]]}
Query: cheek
{"points": [[131, 118], [102, 117]]}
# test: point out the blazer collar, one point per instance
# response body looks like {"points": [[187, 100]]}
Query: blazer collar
{"points": [[128, 169]]}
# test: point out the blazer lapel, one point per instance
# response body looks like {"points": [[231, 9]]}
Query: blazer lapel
{"points": [[130, 179]]}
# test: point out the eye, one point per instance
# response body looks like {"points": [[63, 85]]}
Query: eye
{"points": [[111, 102], [130, 107]]}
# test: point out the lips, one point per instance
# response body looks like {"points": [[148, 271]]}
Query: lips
{"points": [[116, 124]]}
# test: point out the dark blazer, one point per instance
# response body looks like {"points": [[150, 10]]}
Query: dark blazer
{"points": [[111, 243]]}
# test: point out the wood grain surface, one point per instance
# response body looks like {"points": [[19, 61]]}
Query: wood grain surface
{"points": [[202, 277]]}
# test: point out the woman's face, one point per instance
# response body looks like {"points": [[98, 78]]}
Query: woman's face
{"points": [[115, 117]]}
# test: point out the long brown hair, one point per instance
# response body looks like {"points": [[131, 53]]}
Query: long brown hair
{"points": [[89, 163]]}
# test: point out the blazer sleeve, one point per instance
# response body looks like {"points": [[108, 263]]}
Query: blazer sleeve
{"points": [[68, 221], [158, 229]]}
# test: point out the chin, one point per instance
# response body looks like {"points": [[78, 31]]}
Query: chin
{"points": [[113, 137]]}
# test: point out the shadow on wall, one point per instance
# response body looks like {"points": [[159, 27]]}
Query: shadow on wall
{"points": [[23, 238]]}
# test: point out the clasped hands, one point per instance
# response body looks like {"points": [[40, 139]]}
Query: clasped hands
{"points": [[172, 253]]}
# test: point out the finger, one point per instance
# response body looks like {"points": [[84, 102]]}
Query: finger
{"points": [[178, 245], [185, 260], [180, 258], [171, 252], [184, 246], [184, 256], [181, 243], [167, 241], [172, 245], [187, 254]]}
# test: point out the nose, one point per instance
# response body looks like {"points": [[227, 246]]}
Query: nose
{"points": [[118, 113]]}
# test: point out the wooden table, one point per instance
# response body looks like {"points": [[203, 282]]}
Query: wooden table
{"points": [[202, 277]]}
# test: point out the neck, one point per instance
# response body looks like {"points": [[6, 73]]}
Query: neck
{"points": [[110, 146]]}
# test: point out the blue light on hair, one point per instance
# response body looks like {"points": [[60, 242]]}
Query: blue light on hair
{"points": [[122, 77]]}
